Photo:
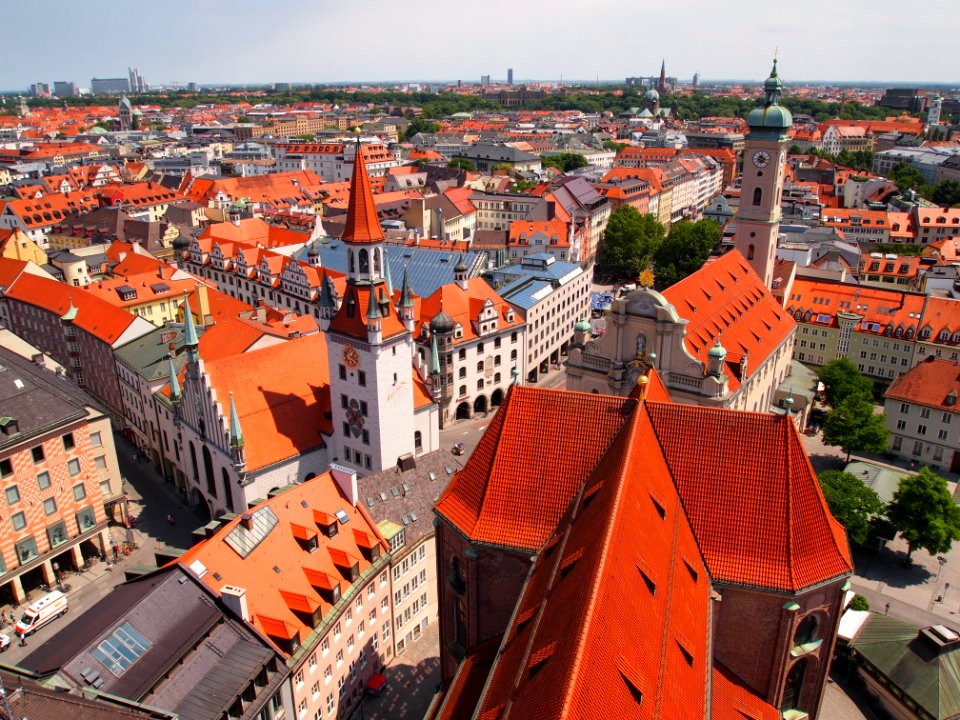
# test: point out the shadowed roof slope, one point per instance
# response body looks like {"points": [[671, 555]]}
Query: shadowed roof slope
{"points": [[541, 444], [573, 646], [753, 499]]}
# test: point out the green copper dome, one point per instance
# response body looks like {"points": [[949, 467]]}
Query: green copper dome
{"points": [[717, 351], [651, 95], [583, 325], [771, 115]]}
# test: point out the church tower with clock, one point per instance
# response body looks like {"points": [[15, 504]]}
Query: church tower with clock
{"points": [[764, 161], [369, 346]]}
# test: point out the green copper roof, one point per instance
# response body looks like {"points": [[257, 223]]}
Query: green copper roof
{"points": [[236, 434], [71, 313], [406, 298], [583, 325], [771, 116], [373, 309], [434, 356], [190, 338], [717, 351], [389, 279], [174, 382]]}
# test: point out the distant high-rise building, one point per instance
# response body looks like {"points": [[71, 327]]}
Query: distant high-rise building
{"points": [[40, 89], [509, 76], [484, 79], [192, 87], [933, 114], [137, 83], [104, 86], [696, 80], [63, 88]]}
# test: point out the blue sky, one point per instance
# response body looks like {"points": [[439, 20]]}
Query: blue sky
{"points": [[242, 41]]}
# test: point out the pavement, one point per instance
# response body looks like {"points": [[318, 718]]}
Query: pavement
{"points": [[412, 681], [150, 500]]}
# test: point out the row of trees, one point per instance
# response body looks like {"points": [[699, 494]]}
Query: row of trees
{"points": [[945, 193], [922, 510], [634, 242]]}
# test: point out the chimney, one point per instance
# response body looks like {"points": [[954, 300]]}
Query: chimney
{"points": [[346, 480], [247, 520], [235, 598]]}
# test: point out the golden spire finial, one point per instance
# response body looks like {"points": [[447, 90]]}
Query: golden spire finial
{"points": [[357, 130], [642, 382]]}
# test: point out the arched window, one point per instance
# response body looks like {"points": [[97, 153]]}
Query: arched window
{"points": [[193, 462], [418, 441], [364, 262], [757, 196], [794, 686], [808, 630], [208, 471], [750, 250], [227, 494], [376, 262], [353, 267]]}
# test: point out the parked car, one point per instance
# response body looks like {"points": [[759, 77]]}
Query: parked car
{"points": [[457, 449]]}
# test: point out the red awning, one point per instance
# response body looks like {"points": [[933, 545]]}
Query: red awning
{"points": [[376, 682]]}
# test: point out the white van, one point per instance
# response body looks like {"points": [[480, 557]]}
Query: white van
{"points": [[42, 611]]}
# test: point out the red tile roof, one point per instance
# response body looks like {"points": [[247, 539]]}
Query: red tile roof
{"points": [[516, 460], [934, 383], [282, 396], [726, 299], [732, 700], [101, 319], [275, 597], [362, 224], [752, 497], [576, 644]]}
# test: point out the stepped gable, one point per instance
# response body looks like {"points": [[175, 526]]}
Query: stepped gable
{"points": [[623, 551], [726, 299], [752, 497], [362, 224], [539, 448]]}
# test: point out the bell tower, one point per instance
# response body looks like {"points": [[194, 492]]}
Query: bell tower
{"points": [[764, 161], [369, 344]]}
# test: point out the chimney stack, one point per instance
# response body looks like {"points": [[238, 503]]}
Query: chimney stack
{"points": [[235, 598]]}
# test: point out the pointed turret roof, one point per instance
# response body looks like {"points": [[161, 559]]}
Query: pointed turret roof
{"points": [[434, 356], [388, 277], [236, 434], [326, 293], [362, 225], [406, 297], [373, 309], [190, 338], [174, 381]]}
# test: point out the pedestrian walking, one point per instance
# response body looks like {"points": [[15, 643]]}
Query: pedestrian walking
{"points": [[23, 639]]}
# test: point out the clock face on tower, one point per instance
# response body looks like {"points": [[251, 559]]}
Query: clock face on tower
{"points": [[761, 158], [351, 358]]}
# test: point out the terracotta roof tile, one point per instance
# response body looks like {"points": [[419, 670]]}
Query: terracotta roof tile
{"points": [[934, 383]]}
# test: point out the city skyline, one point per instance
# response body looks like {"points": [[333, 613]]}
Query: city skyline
{"points": [[297, 43]]}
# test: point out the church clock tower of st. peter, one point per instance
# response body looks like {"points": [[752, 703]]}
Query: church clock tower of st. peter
{"points": [[764, 160]]}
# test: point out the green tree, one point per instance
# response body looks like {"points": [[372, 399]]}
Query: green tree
{"points": [[613, 145], [946, 193], [924, 512], [855, 427], [420, 125], [851, 502], [906, 177], [843, 379], [629, 243], [565, 162], [858, 602], [462, 163], [684, 250]]}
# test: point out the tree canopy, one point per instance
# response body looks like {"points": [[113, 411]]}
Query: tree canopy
{"points": [[420, 125], [851, 502], [855, 427], [684, 250], [843, 379], [565, 162], [629, 243], [462, 164], [925, 513]]}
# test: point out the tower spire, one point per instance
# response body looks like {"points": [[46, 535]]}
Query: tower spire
{"points": [[362, 225], [190, 340], [174, 381], [236, 434]]}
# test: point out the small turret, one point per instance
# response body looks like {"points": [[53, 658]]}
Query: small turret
{"points": [[328, 306], [435, 376], [374, 319], [236, 439], [174, 382], [313, 256], [460, 273], [191, 342], [405, 307], [716, 357], [581, 331]]}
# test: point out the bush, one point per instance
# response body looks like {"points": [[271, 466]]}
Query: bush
{"points": [[859, 602]]}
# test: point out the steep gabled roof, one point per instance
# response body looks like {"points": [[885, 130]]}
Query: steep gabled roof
{"points": [[529, 464], [579, 642], [752, 497], [726, 299]]}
